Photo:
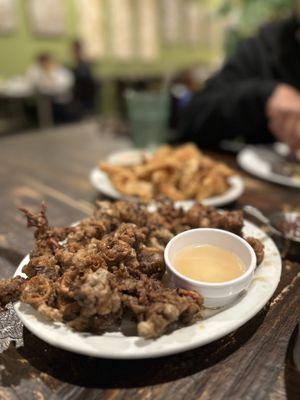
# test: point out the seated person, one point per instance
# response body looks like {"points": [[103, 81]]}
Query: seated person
{"points": [[49, 77], [255, 95], [54, 81]]}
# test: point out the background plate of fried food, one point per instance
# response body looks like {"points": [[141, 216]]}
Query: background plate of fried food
{"points": [[98, 287], [272, 163], [183, 174]]}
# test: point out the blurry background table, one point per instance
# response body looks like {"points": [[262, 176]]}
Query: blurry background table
{"points": [[255, 362], [15, 93]]}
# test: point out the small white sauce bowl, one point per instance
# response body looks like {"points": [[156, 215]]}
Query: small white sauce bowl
{"points": [[215, 294]]}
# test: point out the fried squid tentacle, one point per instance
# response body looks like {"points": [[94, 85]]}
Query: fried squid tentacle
{"points": [[173, 306], [258, 247], [37, 220], [10, 290], [43, 230]]}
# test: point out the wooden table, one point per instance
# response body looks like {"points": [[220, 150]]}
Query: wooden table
{"points": [[255, 362]]}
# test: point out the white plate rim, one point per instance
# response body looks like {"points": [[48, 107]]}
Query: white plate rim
{"points": [[101, 182], [251, 168], [266, 279]]}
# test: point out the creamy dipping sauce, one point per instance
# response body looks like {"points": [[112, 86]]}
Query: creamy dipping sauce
{"points": [[207, 263]]}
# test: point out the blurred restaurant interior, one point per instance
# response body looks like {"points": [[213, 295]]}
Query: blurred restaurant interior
{"points": [[124, 44], [98, 49]]}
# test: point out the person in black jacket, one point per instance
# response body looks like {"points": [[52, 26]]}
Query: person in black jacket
{"points": [[86, 85], [256, 94]]}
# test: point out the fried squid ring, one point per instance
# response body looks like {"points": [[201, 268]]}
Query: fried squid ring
{"points": [[36, 291]]}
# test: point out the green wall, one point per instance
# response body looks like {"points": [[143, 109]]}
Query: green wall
{"points": [[18, 49]]}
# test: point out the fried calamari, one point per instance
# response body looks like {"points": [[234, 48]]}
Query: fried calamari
{"points": [[108, 267]]}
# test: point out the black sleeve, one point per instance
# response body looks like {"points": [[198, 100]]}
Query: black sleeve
{"points": [[232, 103]]}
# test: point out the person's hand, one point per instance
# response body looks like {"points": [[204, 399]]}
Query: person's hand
{"points": [[283, 112]]}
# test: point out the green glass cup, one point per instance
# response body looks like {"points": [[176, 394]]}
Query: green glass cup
{"points": [[148, 115]]}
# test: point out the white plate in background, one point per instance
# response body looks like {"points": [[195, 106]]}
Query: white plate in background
{"points": [[256, 160], [101, 181]]}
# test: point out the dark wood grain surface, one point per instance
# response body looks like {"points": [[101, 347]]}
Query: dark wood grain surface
{"points": [[255, 362]]}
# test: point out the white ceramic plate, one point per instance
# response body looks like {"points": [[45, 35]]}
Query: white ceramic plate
{"points": [[256, 161], [101, 181], [212, 327]]}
